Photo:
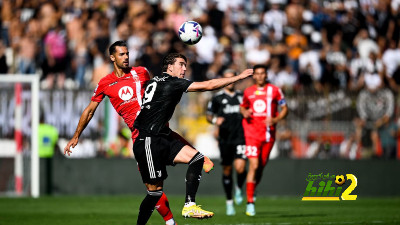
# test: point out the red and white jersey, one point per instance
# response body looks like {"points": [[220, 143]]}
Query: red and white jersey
{"points": [[264, 102], [125, 93]]}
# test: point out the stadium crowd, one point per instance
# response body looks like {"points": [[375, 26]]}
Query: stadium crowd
{"points": [[310, 46]]}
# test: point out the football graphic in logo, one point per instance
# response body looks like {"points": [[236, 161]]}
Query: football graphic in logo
{"points": [[340, 180], [125, 93]]}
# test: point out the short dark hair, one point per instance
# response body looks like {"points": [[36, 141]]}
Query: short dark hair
{"points": [[257, 66], [229, 71], [111, 49], [171, 59]]}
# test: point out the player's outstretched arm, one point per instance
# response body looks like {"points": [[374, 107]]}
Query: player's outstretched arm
{"points": [[83, 122], [218, 83]]}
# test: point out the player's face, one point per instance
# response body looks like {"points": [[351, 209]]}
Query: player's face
{"points": [[121, 57], [177, 69], [231, 86], [260, 76]]}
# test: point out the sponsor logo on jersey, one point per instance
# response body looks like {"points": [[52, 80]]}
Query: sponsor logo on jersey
{"points": [[259, 106], [160, 78], [231, 109], [125, 93], [259, 92], [113, 83]]}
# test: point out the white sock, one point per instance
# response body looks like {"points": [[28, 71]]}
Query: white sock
{"points": [[188, 204], [170, 222], [229, 202]]}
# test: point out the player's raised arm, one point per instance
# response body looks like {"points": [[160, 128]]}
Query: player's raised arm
{"points": [[86, 116], [218, 83]]}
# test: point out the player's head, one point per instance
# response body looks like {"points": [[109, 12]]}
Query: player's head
{"points": [[229, 73], [175, 65], [119, 54], [260, 74]]}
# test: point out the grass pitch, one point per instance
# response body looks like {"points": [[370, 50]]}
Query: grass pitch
{"points": [[122, 210]]}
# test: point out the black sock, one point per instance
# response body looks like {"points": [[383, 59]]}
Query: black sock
{"points": [[147, 206], [241, 177], [227, 183], [193, 176]]}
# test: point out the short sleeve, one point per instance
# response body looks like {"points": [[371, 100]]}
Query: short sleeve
{"points": [[146, 74], [281, 98], [98, 94], [182, 84]]}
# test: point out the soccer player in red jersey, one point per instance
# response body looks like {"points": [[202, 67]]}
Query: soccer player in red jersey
{"points": [[124, 87], [260, 111]]}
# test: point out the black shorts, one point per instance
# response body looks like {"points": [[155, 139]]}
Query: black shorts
{"points": [[230, 152], [153, 153]]}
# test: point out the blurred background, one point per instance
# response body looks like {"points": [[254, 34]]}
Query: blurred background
{"points": [[337, 62]]}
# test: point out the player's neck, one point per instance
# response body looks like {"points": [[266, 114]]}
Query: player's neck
{"points": [[121, 72], [261, 86], [229, 92]]}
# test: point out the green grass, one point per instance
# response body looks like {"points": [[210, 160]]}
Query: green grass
{"points": [[122, 210]]}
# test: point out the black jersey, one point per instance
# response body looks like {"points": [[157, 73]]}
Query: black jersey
{"points": [[228, 106], [160, 98]]}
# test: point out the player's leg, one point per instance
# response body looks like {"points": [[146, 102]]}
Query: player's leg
{"points": [[164, 210], [241, 172], [162, 205], [154, 193], [227, 155], [227, 183], [195, 161], [266, 149], [208, 164], [252, 153], [148, 152]]}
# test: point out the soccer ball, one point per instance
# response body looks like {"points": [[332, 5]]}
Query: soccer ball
{"points": [[190, 32], [340, 180]]}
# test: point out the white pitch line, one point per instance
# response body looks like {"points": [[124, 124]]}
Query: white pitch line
{"points": [[291, 223]]}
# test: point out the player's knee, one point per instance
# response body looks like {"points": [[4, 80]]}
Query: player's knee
{"points": [[240, 169], [227, 170], [198, 158], [254, 164]]}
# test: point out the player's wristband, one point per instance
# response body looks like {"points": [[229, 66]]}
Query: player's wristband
{"points": [[214, 120]]}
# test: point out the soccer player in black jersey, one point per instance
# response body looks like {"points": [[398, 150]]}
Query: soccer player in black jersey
{"points": [[156, 146], [223, 110]]}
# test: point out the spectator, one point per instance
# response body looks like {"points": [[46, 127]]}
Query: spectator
{"points": [[284, 139], [374, 108], [27, 52], [365, 45], [388, 132], [391, 61], [54, 66], [3, 59], [296, 43], [48, 138], [275, 19]]}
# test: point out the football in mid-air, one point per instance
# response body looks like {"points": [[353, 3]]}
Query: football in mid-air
{"points": [[190, 32], [340, 180]]}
